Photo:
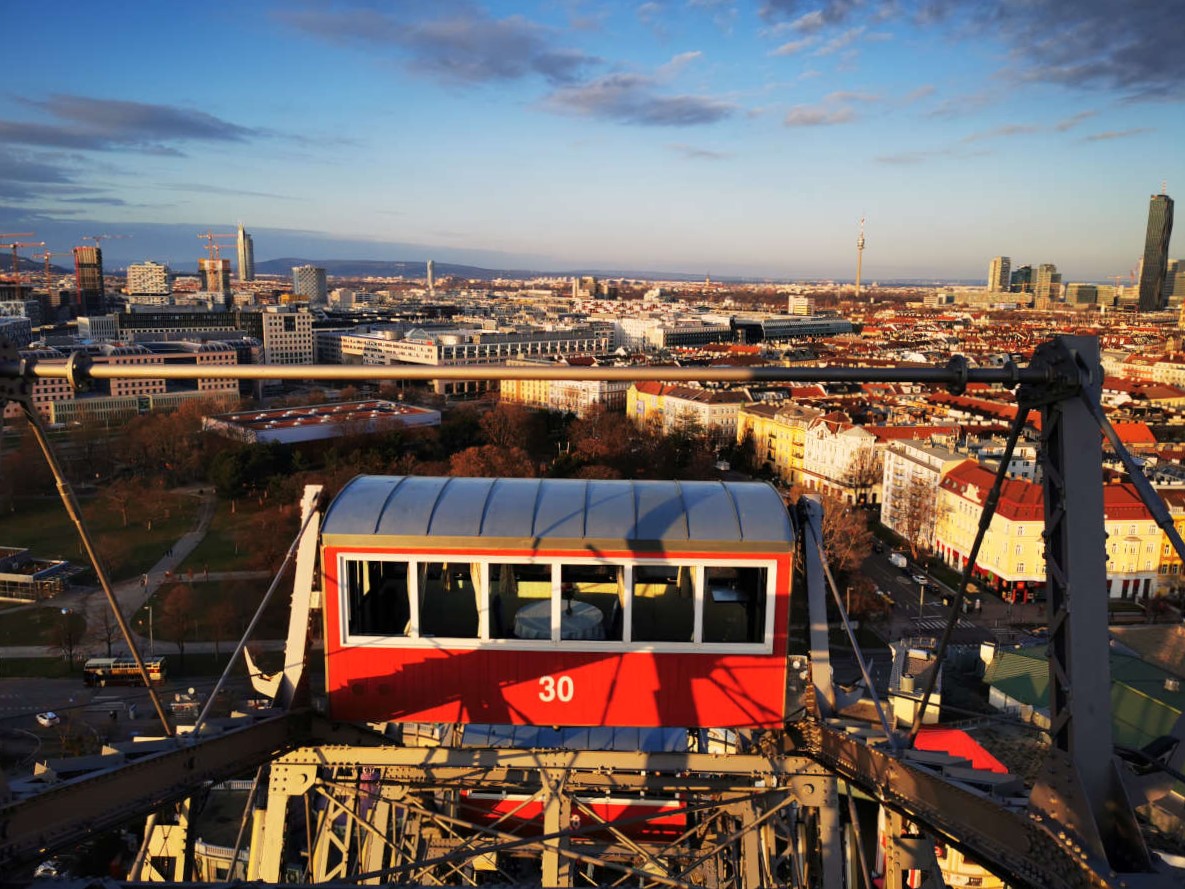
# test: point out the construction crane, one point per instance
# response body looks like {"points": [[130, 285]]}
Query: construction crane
{"points": [[15, 245], [46, 256], [212, 244]]}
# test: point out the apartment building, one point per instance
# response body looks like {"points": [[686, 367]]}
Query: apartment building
{"points": [[714, 410]]}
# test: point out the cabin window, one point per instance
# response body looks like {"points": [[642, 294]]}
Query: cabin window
{"points": [[734, 604], [376, 596], [448, 600], [583, 587], [664, 603], [520, 601]]}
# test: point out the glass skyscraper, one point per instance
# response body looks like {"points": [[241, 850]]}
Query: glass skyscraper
{"points": [[1156, 252]]}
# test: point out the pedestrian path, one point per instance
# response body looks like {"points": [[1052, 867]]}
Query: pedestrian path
{"points": [[937, 624], [132, 594]]}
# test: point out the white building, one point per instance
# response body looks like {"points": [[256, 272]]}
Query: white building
{"points": [[841, 459], [287, 336], [909, 489], [148, 279], [99, 328], [713, 410], [309, 281]]}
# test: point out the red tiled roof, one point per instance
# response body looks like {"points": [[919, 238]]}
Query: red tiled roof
{"points": [[1134, 433], [899, 433]]}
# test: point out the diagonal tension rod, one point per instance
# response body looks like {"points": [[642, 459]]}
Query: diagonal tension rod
{"points": [[985, 520]]}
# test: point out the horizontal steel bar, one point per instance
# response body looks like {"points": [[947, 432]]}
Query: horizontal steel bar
{"points": [[67, 813], [937, 376]]}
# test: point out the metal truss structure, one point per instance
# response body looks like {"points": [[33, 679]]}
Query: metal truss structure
{"points": [[343, 805]]}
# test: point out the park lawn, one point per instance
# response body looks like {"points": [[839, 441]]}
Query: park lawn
{"points": [[227, 544], [44, 528], [41, 626], [243, 596]]}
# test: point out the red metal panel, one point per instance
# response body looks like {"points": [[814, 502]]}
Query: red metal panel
{"points": [[555, 685]]}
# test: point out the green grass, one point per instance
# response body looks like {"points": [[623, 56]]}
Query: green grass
{"points": [[226, 546], [41, 626], [44, 528]]}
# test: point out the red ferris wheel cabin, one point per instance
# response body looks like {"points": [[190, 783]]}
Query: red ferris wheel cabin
{"points": [[557, 602]]}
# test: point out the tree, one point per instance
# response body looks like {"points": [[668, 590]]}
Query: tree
{"points": [[604, 437], [493, 461], [121, 494], [177, 620], [106, 631], [222, 619], [67, 634], [847, 541], [916, 514], [863, 473], [511, 425]]}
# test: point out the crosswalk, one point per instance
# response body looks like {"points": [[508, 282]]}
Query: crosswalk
{"points": [[938, 623]]}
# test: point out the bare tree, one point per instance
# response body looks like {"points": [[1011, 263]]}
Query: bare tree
{"points": [[917, 514], [106, 631], [222, 619], [67, 634], [177, 620], [863, 472]]}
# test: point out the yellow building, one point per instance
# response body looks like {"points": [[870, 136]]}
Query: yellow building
{"points": [[779, 436], [1170, 563], [1012, 559]]}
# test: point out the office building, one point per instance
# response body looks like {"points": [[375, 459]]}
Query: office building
{"points": [[309, 281], [1174, 283], [1048, 285], [1154, 267], [246, 256], [431, 276], [287, 335], [1082, 294], [88, 278], [1021, 279], [1000, 275], [148, 279]]}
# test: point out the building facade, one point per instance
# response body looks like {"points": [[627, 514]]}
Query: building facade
{"points": [[909, 490], [88, 279], [148, 279], [1000, 275], [779, 436], [1154, 267], [670, 407], [310, 282], [287, 337], [246, 251]]}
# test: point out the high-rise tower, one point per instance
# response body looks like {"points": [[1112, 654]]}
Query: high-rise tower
{"points": [[860, 258], [431, 278], [246, 256], [1000, 275], [1156, 252], [309, 281], [88, 278]]}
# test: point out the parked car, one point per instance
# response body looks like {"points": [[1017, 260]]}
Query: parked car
{"points": [[898, 560], [878, 547], [48, 719], [920, 579]]}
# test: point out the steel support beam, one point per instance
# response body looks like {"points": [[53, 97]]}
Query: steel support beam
{"points": [[69, 812], [811, 525], [1079, 788]]}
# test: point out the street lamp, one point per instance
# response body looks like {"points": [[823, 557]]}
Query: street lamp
{"points": [[921, 597], [151, 640]]}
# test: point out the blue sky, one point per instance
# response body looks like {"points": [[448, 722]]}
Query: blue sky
{"points": [[682, 135]]}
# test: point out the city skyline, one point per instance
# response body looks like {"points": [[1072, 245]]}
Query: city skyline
{"points": [[724, 138]]}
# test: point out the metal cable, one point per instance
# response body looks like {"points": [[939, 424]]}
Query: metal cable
{"points": [[985, 521]]}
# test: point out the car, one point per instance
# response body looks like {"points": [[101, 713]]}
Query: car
{"points": [[886, 598], [48, 719], [878, 547], [920, 579]]}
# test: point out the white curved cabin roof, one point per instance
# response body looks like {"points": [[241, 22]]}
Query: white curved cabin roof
{"points": [[715, 513]]}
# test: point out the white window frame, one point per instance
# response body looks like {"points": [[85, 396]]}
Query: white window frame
{"points": [[414, 640]]}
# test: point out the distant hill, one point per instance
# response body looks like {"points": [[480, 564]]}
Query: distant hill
{"points": [[377, 268]]}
